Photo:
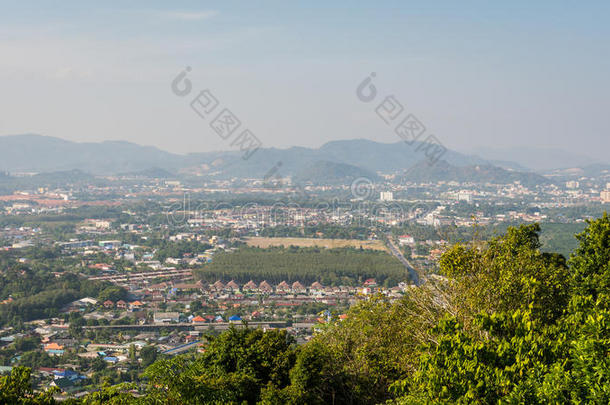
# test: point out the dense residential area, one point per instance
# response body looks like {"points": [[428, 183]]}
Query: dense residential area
{"points": [[304, 203], [67, 333], [100, 288]]}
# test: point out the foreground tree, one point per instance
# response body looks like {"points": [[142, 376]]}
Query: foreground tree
{"points": [[235, 367], [16, 388], [534, 355], [508, 273]]}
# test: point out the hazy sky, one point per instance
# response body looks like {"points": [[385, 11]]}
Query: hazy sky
{"points": [[477, 74]]}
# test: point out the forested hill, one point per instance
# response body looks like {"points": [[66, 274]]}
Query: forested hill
{"points": [[37, 293], [325, 172], [443, 171]]}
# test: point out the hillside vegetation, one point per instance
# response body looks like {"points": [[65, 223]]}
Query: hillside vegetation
{"points": [[39, 295]]}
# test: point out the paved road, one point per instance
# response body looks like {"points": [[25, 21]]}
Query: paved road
{"points": [[182, 348], [414, 274], [273, 324]]}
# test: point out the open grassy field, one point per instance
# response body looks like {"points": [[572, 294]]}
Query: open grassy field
{"points": [[311, 242]]}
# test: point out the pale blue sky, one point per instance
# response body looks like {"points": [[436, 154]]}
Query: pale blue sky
{"points": [[478, 74]]}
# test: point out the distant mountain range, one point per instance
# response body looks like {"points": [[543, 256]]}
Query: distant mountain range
{"points": [[36, 153], [538, 159], [368, 155], [334, 162]]}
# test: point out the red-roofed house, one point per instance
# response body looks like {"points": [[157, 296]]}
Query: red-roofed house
{"points": [[297, 287], [406, 240], [198, 319], [136, 305], [265, 287], [283, 287], [316, 287], [52, 346], [250, 286], [233, 286], [370, 283]]}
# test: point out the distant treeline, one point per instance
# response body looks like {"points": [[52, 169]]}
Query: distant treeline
{"points": [[72, 215], [51, 180]]}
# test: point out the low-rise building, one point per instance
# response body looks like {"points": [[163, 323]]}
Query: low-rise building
{"points": [[166, 317]]}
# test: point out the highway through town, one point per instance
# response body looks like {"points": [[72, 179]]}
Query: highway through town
{"points": [[414, 274]]}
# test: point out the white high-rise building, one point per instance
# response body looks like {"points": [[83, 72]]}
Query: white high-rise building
{"points": [[386, 196], [465, 196]]}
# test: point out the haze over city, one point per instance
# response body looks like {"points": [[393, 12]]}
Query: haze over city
{"points": [[480, 75]]}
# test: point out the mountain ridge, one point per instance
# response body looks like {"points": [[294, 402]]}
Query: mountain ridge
{"points": [[32, 153]]}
